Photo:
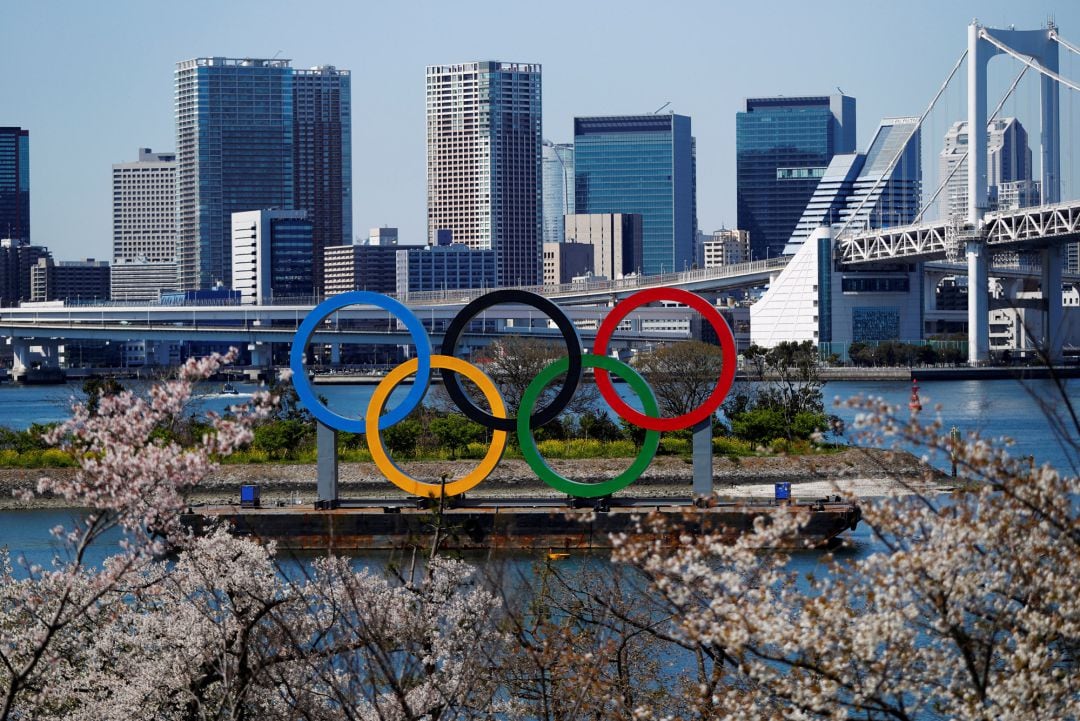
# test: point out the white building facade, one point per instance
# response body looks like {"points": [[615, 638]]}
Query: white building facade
{"points": [[144, 226]]}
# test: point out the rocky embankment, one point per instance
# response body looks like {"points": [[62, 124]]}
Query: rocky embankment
{"points": [[860, 472]]}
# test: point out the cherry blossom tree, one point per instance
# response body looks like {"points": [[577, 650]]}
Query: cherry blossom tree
{"points": [[969, 611], [220, 630]]}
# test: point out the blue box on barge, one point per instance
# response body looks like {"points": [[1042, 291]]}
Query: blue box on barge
{"points": [[249, 496]]}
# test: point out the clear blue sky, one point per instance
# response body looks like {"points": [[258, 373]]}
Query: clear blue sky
{"points": [[93, 80]]}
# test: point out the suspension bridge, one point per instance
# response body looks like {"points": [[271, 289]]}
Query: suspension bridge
{"points": [[1044, 230]]}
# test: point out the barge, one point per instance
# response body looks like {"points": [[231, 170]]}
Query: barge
{"points": [[551, 524]]}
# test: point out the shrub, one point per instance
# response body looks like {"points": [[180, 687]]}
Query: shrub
{"points": [[727, 446], [56, 458], [676, 446], [760, 425], [280, 439]]}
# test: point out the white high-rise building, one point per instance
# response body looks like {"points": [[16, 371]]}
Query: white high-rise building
{"points": [[1008, 162], [483, 162], [144, 223]]}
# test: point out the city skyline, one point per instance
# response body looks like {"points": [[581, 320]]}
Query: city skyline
{"points": [[125, 88]]}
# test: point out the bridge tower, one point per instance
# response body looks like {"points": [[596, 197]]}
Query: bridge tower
{"points": [[983, 44]]}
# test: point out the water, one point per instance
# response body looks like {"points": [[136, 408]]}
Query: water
{"points": [[994, 408]]}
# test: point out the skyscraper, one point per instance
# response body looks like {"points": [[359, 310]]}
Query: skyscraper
{"points": [[641, 164], [1009, 161], [15, 183], [234, 148], [322, 157], [483, 162], [862, 191], [558, 172], [783, 146], [144, 225]]}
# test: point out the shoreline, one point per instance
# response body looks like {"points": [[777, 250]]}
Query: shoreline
{"points": [[860, 472]]}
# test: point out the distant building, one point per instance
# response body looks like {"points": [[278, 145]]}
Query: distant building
{"points": [[1008, 161], [271, 255], [361, 267], [782, 147], [278, 138], [144, 224], [16, 260], [641, 164], [383, 236], [15, 183], [558, 174], [141, 280], [444, 267], [86, 280], [483, 162], [146, 353], [725, 247], [1018, 194], [322, 157], [866, 190], [811, 299], [239, 112], [565, 261], [616, 239]]}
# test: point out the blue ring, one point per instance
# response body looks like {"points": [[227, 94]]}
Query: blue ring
{"points": [[311, 324]]}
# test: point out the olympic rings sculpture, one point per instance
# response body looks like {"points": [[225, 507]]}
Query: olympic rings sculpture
{"points": [[498, 420]]}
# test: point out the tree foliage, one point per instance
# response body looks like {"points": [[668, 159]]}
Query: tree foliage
{"points": [[682, 375], [513, 361], [784, 398]]}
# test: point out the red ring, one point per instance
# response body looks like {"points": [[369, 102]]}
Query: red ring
{"points": [[727, 346]]}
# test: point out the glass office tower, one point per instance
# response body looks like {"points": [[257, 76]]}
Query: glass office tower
{"points": [[234, 152], [783, 146], [483, 162], [558, 171], [641, 164], [15, 183], [322, 157]]}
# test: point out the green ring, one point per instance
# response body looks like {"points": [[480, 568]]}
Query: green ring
{"points": [[539, 465]]}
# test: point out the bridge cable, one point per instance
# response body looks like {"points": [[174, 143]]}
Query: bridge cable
{"points": [[1063, 42], [963, 158], [900, 152]]}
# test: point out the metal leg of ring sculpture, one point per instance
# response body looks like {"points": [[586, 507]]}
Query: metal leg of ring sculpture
{"points": [[327, 465], [703, 457], [401, 479], [532, 453]]}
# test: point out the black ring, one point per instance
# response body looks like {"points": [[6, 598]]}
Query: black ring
{"points": [[573, 347]]}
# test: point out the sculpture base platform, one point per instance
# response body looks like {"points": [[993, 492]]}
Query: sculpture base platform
{"points": [[530, 524]]}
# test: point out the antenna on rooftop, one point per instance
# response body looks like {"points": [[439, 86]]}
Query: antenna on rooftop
{"points": [[279, 52], [657, 111]]}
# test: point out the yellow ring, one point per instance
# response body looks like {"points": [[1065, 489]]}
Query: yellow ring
{"points": [[383, 461]]}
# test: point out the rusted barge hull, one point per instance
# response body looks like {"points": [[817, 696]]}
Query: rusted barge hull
{"points": [[502, 525]]}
